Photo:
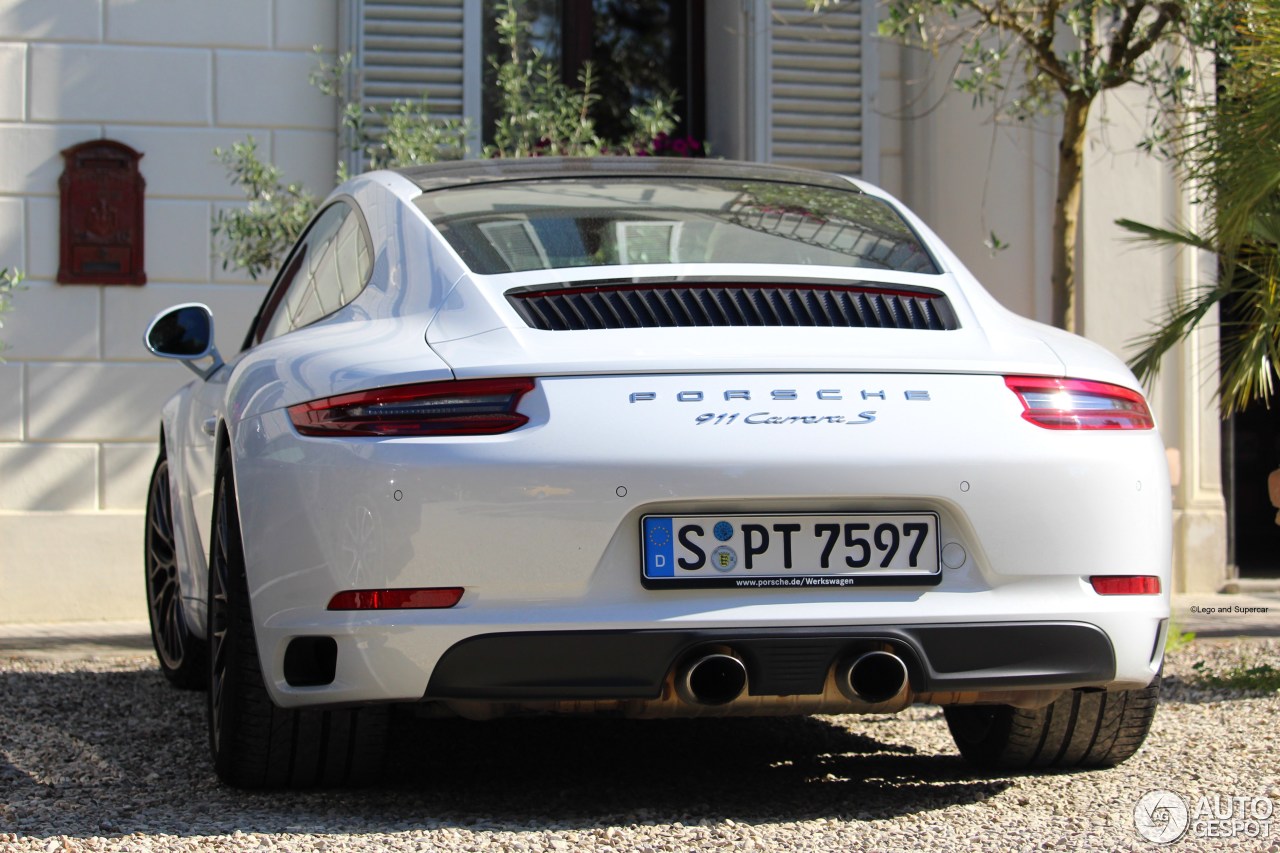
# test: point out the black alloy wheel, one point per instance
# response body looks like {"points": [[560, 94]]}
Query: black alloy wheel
{"points": [[181, 654]]}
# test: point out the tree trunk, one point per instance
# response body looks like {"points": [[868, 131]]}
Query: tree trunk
{"points": [[1066, 213]]}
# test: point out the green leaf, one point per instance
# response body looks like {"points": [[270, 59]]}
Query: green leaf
{"points": [[539, 114]]}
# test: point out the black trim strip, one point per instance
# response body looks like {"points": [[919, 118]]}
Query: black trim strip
{"points": [[554, 665]]}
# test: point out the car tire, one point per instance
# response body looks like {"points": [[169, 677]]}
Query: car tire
{"points": [[1080, 729], [254, 743], [181, 653]]}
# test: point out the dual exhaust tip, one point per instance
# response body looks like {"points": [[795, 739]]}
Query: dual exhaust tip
{"points": [[718, 678], [871, 677], [711, 679]]}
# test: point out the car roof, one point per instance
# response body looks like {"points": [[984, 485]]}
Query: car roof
{"points": [[458, 173]]}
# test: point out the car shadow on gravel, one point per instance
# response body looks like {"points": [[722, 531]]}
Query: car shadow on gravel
{"points": [[750, 770], [87, 754]]}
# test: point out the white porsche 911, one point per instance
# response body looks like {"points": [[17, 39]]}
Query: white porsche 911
{"points": [[648, 438]]}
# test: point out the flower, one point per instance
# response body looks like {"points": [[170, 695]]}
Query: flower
{"points": [[665, 145]]}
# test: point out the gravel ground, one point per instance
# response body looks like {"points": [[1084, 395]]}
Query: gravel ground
{"points": [[98, 753]]}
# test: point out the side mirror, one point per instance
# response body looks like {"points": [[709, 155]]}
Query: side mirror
{"points": [[185, 332]]}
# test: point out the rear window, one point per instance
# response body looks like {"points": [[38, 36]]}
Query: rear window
{"points": [[552, 224]]}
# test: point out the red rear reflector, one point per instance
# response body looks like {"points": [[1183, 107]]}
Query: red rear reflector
{"points": [[432, 598], [1125, 584], [463, 407], [1079, 404]]}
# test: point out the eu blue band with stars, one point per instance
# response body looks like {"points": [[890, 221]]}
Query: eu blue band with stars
{"points": [[659, 552]]}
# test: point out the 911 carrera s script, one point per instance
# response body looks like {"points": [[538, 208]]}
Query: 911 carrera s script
{"points": [[770, 419]]}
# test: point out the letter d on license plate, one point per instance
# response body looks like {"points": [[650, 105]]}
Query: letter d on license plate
{"points": [[790, 550]]}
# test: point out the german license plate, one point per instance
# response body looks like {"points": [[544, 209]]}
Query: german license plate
{"points": [[790, 550]]}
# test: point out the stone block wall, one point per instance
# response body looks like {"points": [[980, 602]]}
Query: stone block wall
{"points": [[79, 395]]}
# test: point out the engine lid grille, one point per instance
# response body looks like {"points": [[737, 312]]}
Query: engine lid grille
{"points": [[694, 304]]}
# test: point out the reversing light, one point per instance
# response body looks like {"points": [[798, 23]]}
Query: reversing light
{"points": [[463, 407], [1079, 404], [428, 598], [1125, 584]]}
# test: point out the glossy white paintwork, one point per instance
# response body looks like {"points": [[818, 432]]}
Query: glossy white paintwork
{"points": [[541, 526]]}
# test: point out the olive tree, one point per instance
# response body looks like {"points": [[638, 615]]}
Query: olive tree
{"points": [[538, 115], [1022, 58]]}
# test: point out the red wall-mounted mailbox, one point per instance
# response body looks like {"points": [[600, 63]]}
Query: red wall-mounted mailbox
{"points": [[102, 196]]}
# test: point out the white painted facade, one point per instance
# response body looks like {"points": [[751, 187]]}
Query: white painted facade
{"points": [[969, 177], [176, 78], [78, 428]]}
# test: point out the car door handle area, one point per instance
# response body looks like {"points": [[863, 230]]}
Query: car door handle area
{"points": [[209, 426]]}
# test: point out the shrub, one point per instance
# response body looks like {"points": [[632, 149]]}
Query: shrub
{"points": [[540, 115], [10, 281]]}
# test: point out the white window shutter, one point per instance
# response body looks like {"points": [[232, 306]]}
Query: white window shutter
{"points": [[816, 86], [408, 47]]}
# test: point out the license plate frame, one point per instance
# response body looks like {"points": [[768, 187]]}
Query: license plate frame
{"points": [[759, 546]]}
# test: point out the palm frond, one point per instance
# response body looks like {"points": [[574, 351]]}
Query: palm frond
{"points": [[1179, 320], [1166, 236], [1251, 339], [1231, 162]]}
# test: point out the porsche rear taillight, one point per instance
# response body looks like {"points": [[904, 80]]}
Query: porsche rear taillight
{"points": [[1079, 404], [462, 407]]}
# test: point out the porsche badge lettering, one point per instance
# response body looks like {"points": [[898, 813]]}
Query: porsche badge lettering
{"points": [[783, 395]]}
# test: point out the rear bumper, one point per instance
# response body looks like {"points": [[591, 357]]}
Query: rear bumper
{"points": [[580, 665], [542, 528]]}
